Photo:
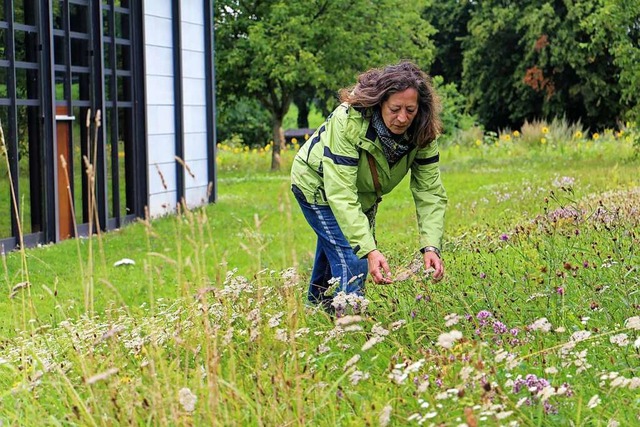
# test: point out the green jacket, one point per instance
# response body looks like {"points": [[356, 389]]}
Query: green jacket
{"points": [[332, 168]]}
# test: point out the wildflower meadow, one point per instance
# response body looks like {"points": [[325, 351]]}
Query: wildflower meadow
{"points": [[200, 318]]}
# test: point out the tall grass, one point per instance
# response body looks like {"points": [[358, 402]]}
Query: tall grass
{"points": [[536, 322]]}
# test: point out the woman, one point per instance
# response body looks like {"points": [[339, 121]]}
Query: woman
{"points": [[386, 125]]}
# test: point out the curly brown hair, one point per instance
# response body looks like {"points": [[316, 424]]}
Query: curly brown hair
{"points": [[376, 85]]}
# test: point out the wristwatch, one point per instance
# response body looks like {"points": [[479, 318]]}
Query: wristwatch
{"points": [[431, 249]]}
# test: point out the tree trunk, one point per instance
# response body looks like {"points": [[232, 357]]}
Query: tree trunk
{"points": [[301, 99], [278, 143]]}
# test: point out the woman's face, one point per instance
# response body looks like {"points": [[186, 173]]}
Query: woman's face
{"points": [[399, 110]]}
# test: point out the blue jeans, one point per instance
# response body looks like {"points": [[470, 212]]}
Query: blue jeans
{"points": [[334, 255]]}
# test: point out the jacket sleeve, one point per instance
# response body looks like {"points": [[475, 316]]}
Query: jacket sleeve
{"points": [[340, 170], [429, 195]]}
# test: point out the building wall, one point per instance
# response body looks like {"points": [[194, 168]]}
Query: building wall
{"points": [[161, 116], [195, 101]]}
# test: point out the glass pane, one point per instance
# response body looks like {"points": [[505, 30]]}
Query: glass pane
{"points": [[78, 18], [80, 87], [107, 54], [124, 147], [26, 83], [5, 186], [3, 86], [122, 25], [57, 15], [112, 159], [3, 42], [26, 44], [79, 149], [24, 11], [30, 169], [62, 84], [124, 89], [59, 50], [108, 85], [79, 52], [123, 57], [106, 24]]}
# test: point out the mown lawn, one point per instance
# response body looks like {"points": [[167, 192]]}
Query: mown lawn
{"points": [[535, 323]]}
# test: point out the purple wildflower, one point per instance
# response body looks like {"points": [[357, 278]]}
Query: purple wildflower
{"points": [[483, 275], [504, 237], [560, 291], [499, 327], [514, 331], [483, 315]]}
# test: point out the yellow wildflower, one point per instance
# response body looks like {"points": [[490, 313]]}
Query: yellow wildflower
{"points": [[577, 135], [294, 141], [596, 136], [545, 130], [516, 134], [543, 141], [478, 142]]}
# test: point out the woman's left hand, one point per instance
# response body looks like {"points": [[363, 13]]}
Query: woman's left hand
{"points": [[432, 260]]}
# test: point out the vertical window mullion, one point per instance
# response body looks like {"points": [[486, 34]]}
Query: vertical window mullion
{"points": [[178, 99], [12, 140], [210, 83], [115, 160]]}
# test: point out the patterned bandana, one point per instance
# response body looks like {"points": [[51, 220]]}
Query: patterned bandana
{"points": [[394, 146]]}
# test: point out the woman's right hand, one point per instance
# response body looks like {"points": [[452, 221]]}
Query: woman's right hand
{"points": [[378, 267]]}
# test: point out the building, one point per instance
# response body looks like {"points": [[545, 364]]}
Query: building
{"points": [[107, 106]]}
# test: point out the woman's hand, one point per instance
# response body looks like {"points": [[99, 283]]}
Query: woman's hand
{"points": [[378, 267], [432, 260]]}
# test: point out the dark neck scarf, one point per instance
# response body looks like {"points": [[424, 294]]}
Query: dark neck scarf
{"points": [[394, 146]]}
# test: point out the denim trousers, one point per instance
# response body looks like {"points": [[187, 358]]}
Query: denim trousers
{"points": [[334, 256]]}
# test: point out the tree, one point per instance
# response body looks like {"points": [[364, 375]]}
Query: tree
{"points": [[269, 50], [450, 19], [543, 58]]}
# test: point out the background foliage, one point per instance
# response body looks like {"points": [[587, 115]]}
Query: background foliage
{"points": [[510, 61]]}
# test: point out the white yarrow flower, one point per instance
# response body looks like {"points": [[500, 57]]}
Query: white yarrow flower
{"points": [[448, 339], [594, 401], [633, 323], [451, 319], [541, 324], [187, 399], [385, 416], [620, 339]]}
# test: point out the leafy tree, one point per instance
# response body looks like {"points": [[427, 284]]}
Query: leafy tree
{"points": [[545, 58], [450, 19], [614, 27], [270, 50], [243, 121]]}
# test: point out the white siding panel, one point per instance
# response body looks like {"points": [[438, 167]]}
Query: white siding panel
{"points": [[161, 148], [158, 8], [193, 64], [200, 171], [194, 92], [195, 146], [195, 119], [192, 11], [162, 204], [196, 196], [158, 31], [161, 90], [160, 119], [161, 175], [193, 37], [159, 61]]}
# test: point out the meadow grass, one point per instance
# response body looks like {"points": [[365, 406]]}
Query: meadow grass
{"points": [[536, 322]]}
